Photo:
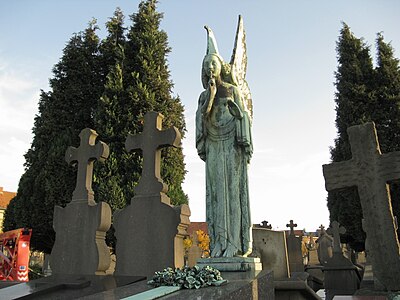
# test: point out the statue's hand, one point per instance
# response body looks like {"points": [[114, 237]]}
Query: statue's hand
{"points": [[212, 90]]}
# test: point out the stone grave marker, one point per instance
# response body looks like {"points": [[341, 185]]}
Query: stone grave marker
{"points": [[341, 276], [294, 250], [312, 251], [336, 230], [81, 226], [194, 252], [150, 231], [370, 171], [270, 246], [325, 246]]}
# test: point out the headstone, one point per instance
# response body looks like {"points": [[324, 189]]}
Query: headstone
{"points": [[81, 226], [271, 247], [341, 276], [370, 171], [194, 252], [325, 245], [294, 250], [336, 230], [150, 231], [312, 251]]}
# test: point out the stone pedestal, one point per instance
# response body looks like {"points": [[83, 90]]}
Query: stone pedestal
{"points": [[232, 264]]}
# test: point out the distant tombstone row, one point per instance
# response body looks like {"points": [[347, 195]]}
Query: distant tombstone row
{"points": [[81, 226]]}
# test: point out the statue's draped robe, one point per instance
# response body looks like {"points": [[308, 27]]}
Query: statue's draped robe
{"points": [[224, 143]]}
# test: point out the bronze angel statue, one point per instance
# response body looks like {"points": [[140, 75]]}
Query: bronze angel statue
{"points": [[223, 141]]}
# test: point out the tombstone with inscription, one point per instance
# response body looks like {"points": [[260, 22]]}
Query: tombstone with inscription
{"points": [[370, 171], [294, 250], [150, 230], [81, 226], [341, 276]]}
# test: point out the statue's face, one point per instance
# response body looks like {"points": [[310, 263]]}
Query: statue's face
{"points": [[212, 66]]}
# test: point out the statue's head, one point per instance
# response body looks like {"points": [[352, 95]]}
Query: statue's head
{"points": [[213, 64]]}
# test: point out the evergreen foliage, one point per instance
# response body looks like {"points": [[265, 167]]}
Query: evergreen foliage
{"points": [[106, 85], [364, 94]]}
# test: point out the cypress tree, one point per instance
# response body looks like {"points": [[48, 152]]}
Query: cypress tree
{"points": [[137, 82], [364, 94], [63, 113], [353, 101], [387, 113], [150, 89], [107, 86]]}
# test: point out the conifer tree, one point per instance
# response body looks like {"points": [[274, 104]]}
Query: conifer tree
{"points": [[107, 86], [63, 113], [150, 89], [387, 112], [138, 82], [353, 100], [364, 94]]}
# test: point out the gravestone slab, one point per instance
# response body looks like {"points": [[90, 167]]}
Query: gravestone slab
{"points": [[370, 171], [294, 250], [312, 256], [150, 231], [271, 247], [194, 252], [325, 246], [341, 276], [81, 226]]}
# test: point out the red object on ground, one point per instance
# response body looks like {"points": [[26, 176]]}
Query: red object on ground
{"points": [[14, 254]]}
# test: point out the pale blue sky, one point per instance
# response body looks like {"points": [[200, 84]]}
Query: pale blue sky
{"points": [[292, 60]]}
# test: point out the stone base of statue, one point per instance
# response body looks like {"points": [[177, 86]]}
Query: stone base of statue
{"points": [[232, 264]]}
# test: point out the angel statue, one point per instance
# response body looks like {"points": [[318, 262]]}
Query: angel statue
{"points": [[223, 141]]}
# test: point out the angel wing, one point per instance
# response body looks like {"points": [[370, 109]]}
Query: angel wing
{"points": [[239, 67]]}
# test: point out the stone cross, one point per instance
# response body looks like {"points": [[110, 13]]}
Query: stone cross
{"points": [[85, 155], [150, 141], [266, 225], [292, 226], [370, 171], [336, 230]]}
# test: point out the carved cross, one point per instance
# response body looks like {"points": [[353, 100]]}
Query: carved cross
{"points": [[370, 171], [85, 155], [150, 141], [266, 225], [292, 226], [336, 230]]}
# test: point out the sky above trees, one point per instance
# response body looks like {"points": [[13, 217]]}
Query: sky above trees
{"points": [[291, 65]]}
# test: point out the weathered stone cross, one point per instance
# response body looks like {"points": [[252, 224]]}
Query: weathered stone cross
{"points": [[150, 142], [85, 155], [371, 171], [292, 226], [266, 225], [336, 230]]}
